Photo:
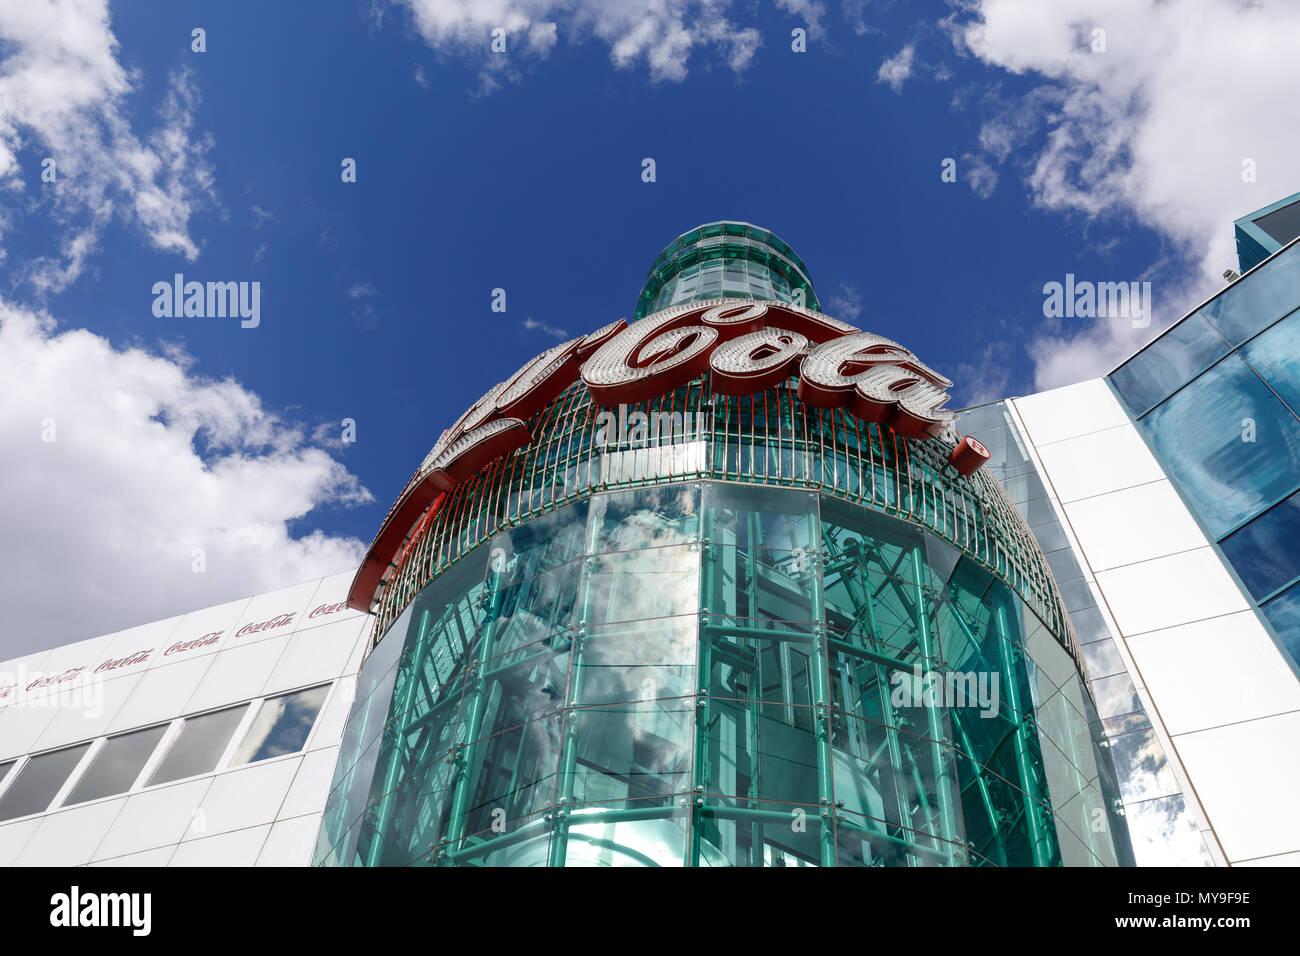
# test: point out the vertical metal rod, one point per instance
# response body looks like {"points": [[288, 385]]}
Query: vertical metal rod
{"points": [[933, 714], [1011, 650], [473, 706]]}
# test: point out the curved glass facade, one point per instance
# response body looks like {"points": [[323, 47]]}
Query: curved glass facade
{"points": [[705, 630], [725, 260], [709, 673]]}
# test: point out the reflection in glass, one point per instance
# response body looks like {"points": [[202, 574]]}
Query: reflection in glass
{"points": [[39, 780], [1198, 434], [117, 764], [282, 725], [199, 746]]}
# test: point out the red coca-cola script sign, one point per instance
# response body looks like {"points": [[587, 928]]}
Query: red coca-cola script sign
{"points": [[746, 345], [280, 620]]}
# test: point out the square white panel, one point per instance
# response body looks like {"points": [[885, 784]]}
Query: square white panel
{"points": [[1214, 672], [329, 604], [70, 659], [15, 674], [14, 837], [237, 674], [134, 649], [1163, 592], [1248, 778], [291, 842], [239, 848], [154, 818], [200, 633], [161, 694], [1134, 524], [69, 838], [1099, 462], [102, 702], [21, 724], [1070, 411], [243, 798], [274, 613], [314, 656], [311, 785]]}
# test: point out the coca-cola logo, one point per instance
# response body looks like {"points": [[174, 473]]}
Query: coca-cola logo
{"points": [[139, 657], [207, 640], [745, 345], [55, 679], [328, 609], [280, 620]]}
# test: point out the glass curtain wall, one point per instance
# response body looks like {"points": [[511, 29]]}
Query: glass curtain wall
{"points": [[715, 674]]}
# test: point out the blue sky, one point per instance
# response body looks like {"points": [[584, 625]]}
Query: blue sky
{"points": [[521, 171]]}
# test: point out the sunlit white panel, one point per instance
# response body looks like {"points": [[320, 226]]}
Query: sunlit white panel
{"points": [[237, 673], [154, 818], [70, 837], [243, 798], [1097, 463], [239, 848], [314, 656], [1214, 672], [1070, 411], [291, 842], [1247, 776], [311, 785], [1177, 589], [1133, 524]]}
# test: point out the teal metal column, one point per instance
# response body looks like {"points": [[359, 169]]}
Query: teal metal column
{"points": [[933, 714], [568, 762], [1012, 654], [384, 816], [822, 700], [473, 706], [703, 672]]}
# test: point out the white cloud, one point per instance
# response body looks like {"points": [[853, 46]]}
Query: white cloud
{"points": [[149, 461], [895, 70], [63, 96], [846, 304], [533, 325], [1155, 128], [663, 34]]}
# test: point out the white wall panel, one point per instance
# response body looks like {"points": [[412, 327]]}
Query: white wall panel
{"points": [[1172, 590], [1248, 778], [1219, 671]]}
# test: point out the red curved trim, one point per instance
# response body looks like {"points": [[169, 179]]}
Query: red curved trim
{"points": [[405, 513]]}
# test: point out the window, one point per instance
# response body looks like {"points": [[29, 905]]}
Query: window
{"points": [[117, 764], [39, 780], [4, 770], [1168, 363], [1203, 433], [200, 745], [282, 725], [1258, 300]]}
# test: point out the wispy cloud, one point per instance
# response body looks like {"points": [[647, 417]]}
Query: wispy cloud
{"points": [[64, 95], [534, 326], [895, 70]]}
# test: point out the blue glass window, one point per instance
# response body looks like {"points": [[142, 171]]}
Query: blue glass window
{"points": [[1179, 355], [1202, 435], [1264, 551], [1259, 299], [1283, 612], [1276, 356]]}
